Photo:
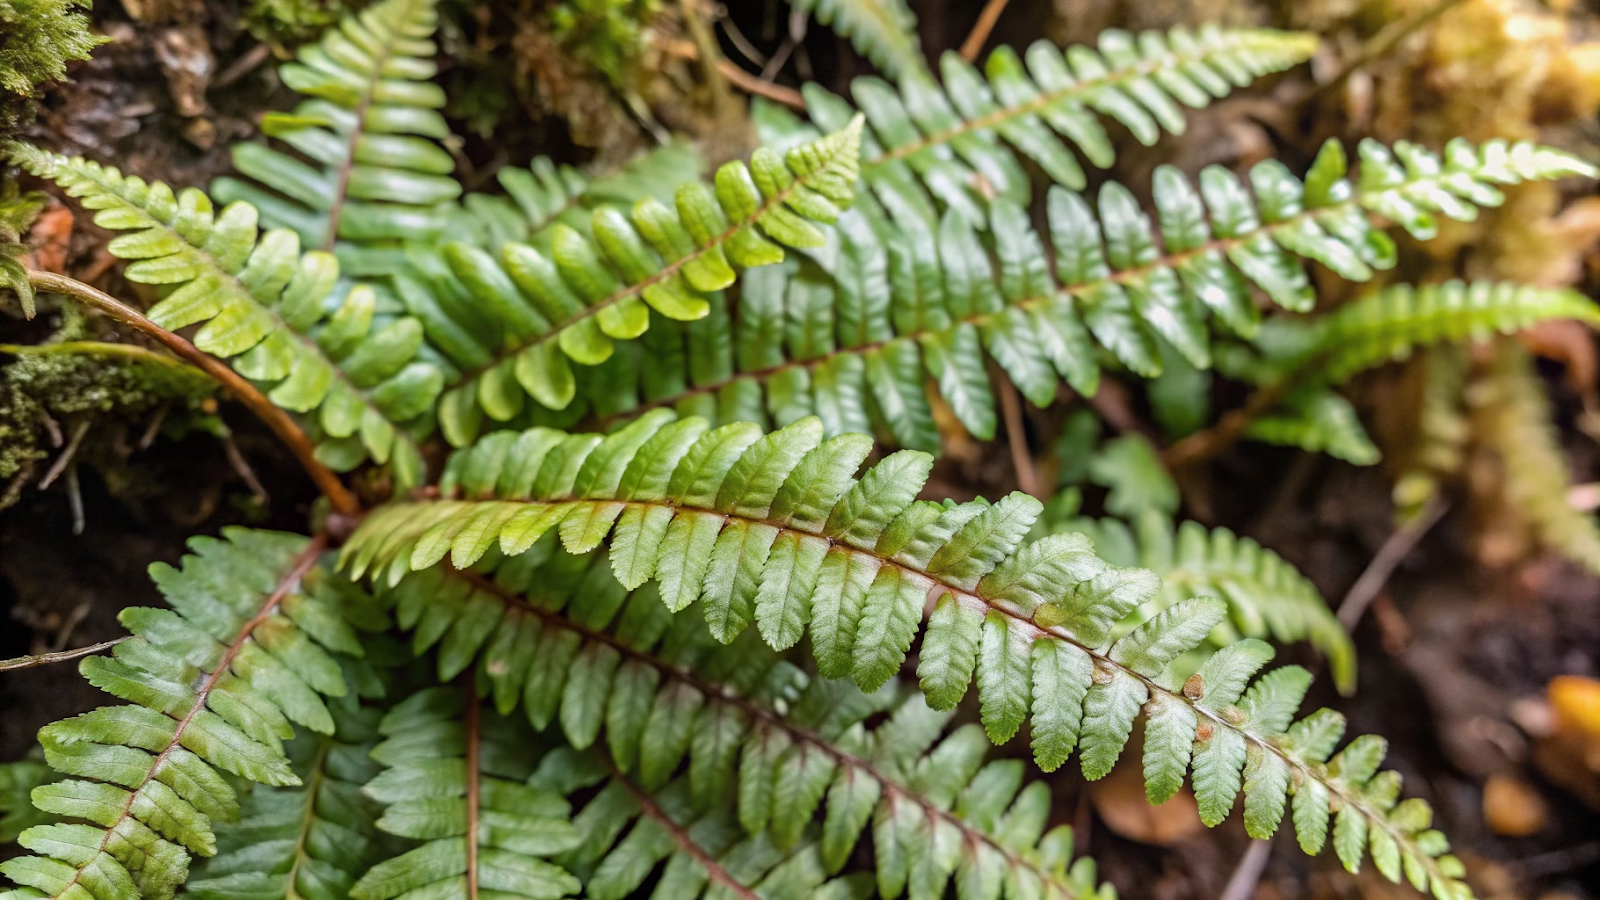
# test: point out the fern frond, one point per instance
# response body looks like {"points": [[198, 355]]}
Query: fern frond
{"points": [[17, 782], [558, 635], [578, 296], [961, 142], [311, 840], [542, 193], [455, 781], [852, 334], [1390, 324], [777, 531], [884, 31], [352, 373], [1511, 418], [372, 131], [213, 684], [1267, 597]]}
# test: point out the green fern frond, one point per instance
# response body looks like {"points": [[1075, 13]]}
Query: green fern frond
{"points": [[1317, 420], [559, 636], [958, 144], [372, 131], [884, 31], [1266, 596], [312, 840], [456, 781], [543, 193], [1392, 323], [352, 373], [17, 782], [775, 530], [580, 295], [1511, 417], [213, 686], [852, 334]]}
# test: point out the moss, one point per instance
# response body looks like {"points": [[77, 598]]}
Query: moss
{"points": [[37, 40]]}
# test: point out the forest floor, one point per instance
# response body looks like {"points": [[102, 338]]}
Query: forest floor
{"points": [[1455, 656]]}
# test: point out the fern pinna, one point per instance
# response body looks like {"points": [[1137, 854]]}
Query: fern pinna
{"points": [[776, 530]]}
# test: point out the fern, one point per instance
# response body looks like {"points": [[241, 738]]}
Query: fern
{"points": [[1266, 596], [308, 840], [775, 531], [371, 130], [263, 302], [17, 783], [494, 817], [455, 782], [1391, 324], [884, 31], [542, 193], [852, 334], [213, 684], [618, 668], [577, 298], [961, 143]]}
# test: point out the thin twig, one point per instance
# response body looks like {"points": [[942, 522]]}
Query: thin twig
{"points": [[339, 496], [737, 38], [1383, 41], [44, 659], [65, 459], [241, 467], [1242, 886], [1017, 438], [751, 84], [980, 31], [1389, 556], [243, 66]]}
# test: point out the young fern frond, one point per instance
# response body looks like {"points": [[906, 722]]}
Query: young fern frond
{"points": [[776, 530], [213, 685], [1510, 417], [1266, 596], [884, 31], [1303, 360], [852, 334], [558, 635], [372, 131], [580, 295], [309, 840], [1390, 324], [956, 144], [354, 374]]}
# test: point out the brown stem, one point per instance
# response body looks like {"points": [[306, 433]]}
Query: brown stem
{"points": [[44, 659], [1017, 438], [1389, 556], [751, 84], [1209, 443], [340, 497], [474, 739], [680, 834], [980, 31]]}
